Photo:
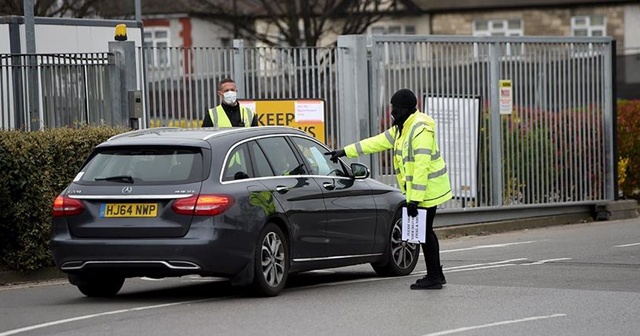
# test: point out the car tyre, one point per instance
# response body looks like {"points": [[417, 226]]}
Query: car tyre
{"points": [[271, 261], [97, 286], [401, 257]]}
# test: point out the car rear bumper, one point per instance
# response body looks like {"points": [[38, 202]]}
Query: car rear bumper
{"points": [[205, 250]]}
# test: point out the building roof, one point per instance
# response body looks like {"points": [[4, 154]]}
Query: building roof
{"points": [[125, 8], [458, 5], [250, 8]]}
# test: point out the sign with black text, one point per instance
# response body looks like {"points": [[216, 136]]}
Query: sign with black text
{"points": [[305, 114]]}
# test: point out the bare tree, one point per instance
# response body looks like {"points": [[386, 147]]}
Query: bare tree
{"points": [[52, 8], [301, 22]]}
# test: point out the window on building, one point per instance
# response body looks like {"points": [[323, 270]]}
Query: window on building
{"points": [[511, 27], [595, 25], [392, 30], [156, 41]]}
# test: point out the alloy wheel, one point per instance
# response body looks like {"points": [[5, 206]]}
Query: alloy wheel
{"points": [[402, 253], [273, 259]]}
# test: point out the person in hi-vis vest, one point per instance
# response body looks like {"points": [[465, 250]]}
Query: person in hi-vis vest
{"points": [[229, 113], [419, 168]]}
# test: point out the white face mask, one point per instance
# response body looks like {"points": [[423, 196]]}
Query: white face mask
{"points": [[230, 97]]}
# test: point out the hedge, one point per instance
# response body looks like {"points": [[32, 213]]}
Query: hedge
{"points": [[37, 166]]}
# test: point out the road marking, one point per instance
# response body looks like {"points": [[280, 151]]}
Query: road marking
{"points": [[454, 269], [495, 324], [489, 246], [86, 317], [540, 262], [628, 245], [485, 264]]}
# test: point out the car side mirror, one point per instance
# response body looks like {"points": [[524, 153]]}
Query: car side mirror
{"points": [[360, 171]]}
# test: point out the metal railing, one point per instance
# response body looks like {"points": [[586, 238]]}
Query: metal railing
{"points": [[179, 92], [54, 90], [554, 142], [523, 123]]}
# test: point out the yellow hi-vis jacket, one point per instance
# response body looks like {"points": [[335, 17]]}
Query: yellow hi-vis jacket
{"points": [[219, 117], [418, 165]]}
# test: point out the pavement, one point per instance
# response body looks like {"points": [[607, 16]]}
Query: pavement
{"points": [[613, 211]]}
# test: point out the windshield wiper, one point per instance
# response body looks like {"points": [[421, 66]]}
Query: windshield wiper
{"points": [[119, 178]]}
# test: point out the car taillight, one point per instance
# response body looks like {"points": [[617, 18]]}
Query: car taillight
{"points": [[65, 206], [203, 205]]}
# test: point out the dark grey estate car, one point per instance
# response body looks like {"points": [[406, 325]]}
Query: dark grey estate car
{"points": [[250, 204]]}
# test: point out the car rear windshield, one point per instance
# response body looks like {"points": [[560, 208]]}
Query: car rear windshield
{"points": [[144, 166]]}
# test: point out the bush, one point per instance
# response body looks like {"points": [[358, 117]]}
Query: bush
{"points": [[548, 156], [37, 166], [629, 148]]}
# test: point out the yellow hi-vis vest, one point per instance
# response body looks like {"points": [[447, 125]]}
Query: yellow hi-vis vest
{"points": [[418, 165], [219, 117]]}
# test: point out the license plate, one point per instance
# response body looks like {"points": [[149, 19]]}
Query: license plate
{"points": [[120, 210]]}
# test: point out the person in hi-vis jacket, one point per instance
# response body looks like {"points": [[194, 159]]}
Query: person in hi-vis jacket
{"points": [[229, 113], [419, 168]]}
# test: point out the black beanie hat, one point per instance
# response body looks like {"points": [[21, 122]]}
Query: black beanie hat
{"points": [[404, 98]]}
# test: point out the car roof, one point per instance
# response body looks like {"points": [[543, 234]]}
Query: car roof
{"points": [[198, 137]]}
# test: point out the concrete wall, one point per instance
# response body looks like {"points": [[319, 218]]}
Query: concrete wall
{"points": [[207, 34]]}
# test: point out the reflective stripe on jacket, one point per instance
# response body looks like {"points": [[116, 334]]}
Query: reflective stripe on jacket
{"points": [[219, 117], [418, 166]]}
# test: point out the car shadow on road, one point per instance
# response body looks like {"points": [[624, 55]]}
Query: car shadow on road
{"points": [[221, 288]]}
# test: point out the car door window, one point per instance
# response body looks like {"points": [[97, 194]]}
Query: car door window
{"points": [[313, 154], [237, 165], [281, 157], [260, 162]]}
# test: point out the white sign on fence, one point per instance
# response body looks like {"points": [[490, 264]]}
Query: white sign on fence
{"points": [[457, 132]]}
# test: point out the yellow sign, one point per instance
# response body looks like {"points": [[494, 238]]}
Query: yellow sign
{"points": [[129, 210], [304, 114]]}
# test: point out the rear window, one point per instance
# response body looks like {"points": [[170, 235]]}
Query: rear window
{"points": [[144, 166]]}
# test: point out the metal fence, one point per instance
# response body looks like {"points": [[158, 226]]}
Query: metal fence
{"points": [[180, 89], [553, 141], [54, 90], [524, 123]]}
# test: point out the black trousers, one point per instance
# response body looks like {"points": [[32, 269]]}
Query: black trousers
{"points": [[431, 247]]}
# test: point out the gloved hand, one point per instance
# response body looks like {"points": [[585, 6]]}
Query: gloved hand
{"points": [[412, 209], [336, 154]]}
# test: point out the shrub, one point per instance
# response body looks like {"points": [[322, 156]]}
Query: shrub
{"points": [[37, 166], [628, 140]]}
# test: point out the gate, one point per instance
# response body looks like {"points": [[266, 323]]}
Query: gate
{"points": [[183, 85], [525, 124], [54, 90], [521, 120]]}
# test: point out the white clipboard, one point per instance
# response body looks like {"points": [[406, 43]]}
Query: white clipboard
{"points": [[414, 229]]}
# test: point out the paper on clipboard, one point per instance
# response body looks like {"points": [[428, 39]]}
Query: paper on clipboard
{"points": [[414, 229]]}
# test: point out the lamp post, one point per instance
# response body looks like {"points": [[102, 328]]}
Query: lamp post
{"points": [[30, 35]]}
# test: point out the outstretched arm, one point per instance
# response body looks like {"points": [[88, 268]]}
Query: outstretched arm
{"points": [[374, 144]]}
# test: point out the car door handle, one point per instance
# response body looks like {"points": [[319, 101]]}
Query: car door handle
{"points": [[329, 185], [282, 189]]}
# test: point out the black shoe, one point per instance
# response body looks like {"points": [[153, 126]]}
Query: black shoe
{"points": [[440, 275], [427, 283], [442, 279]]}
